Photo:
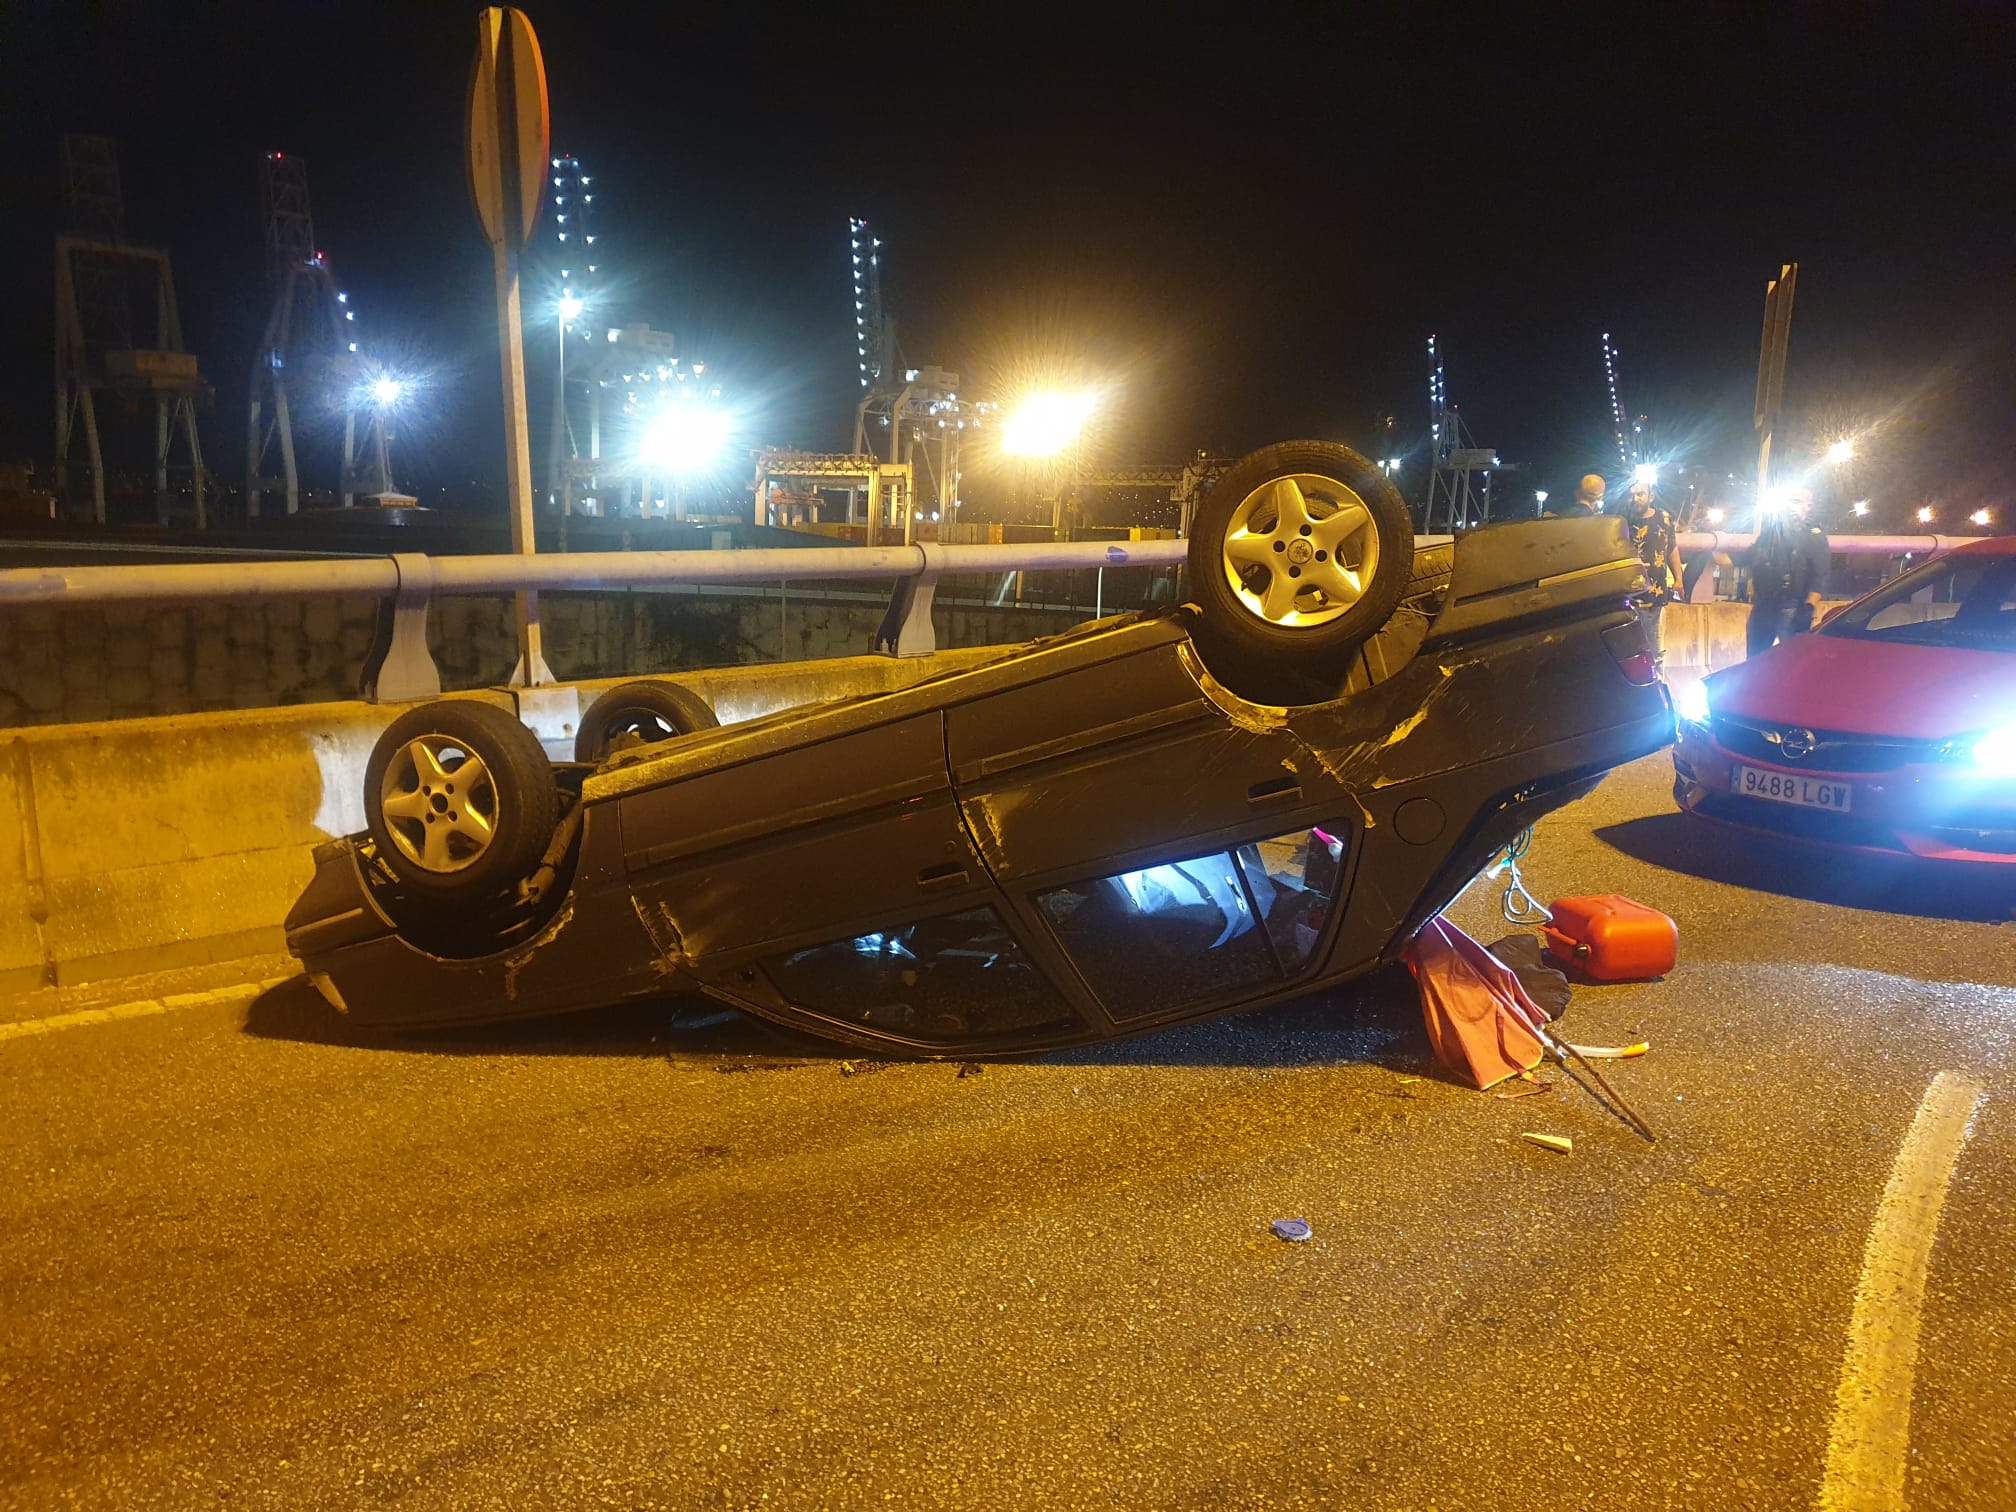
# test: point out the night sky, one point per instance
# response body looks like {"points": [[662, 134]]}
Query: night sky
{"points": [[1244, 224]]}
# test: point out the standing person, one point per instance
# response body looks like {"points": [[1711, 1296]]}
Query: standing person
{"points": [[1587, 504], [1816, 555], [1658, 546], [1788, 567]]}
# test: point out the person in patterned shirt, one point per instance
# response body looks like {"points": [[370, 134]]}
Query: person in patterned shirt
{"points": [[1658, 547]]}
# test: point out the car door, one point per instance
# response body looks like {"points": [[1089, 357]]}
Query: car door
{"points": [[1168, 854], [833, 882]]}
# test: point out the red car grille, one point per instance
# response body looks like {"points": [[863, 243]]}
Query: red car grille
{"points": [[1831, 750]]}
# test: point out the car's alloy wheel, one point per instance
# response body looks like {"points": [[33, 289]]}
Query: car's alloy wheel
{"points": [[1300, 550], [1298, 554], [460, 800]]}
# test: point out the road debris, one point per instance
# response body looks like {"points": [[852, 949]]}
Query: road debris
{"points": [[1294, 1230], [970, 1068], [1559, 1144], [1610, 1052], [1522, 1086]]}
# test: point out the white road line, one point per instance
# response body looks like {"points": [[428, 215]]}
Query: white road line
{"points": [[1872, 1410], [141, 1008]]}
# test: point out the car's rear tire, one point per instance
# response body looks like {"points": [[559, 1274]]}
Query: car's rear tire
{"points": [[460, 800], [640, 713], [1299, 552]]}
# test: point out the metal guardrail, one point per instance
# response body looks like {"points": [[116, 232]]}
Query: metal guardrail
{"points": [[1841, 545], [401, 667]]}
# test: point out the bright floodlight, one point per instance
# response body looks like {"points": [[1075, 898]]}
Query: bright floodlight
{"points": [[1861, 506], [1773, 499], [1646, 473], [387, 390], [1046, 424], [1539, 496], [685, 438], [571, 307], [1841, 451], [1717, 516], [1980, 517], [1925, 515]]}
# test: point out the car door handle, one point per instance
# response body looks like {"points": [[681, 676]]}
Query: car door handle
{"points": [[1274, 790], [938, 878]]}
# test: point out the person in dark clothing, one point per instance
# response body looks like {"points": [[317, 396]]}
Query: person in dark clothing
{"points": [[1658, 547], [1587, 504], [1788, 568]]}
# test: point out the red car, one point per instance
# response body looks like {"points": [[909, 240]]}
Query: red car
{"points": [[1890, 728]]}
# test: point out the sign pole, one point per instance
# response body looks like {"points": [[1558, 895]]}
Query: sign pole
{"points": [[1778, 295], [531, 670], [507, 143]]}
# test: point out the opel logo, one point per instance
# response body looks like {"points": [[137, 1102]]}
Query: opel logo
{"points": [[1796, 744]]}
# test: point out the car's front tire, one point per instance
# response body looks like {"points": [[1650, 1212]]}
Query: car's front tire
{"points": [[1299, 553], [460, 800]]}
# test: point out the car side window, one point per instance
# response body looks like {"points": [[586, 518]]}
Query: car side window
{"points": [[1184, 932], [950, 979]]}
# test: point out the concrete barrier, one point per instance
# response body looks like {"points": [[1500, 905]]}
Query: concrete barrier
{"points": [[150, 844], [1708, 637]]}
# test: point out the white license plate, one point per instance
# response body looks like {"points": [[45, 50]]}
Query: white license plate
{"points": [[1782, 787]]}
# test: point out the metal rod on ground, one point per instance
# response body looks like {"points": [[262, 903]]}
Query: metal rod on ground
{"points": [[1561, 1050]]}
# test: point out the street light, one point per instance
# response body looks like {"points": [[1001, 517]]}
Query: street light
{"points": [[381, 396], [1841, 451], [1044, 424], [1861, 507], [1925, 515], [1717, 516], [1539, 496], [1981, 517], [684, 439]]}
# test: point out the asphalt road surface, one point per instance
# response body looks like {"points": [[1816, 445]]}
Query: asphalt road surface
{"points": [[638, 1260]]}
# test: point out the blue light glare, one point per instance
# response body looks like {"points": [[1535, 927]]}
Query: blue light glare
{"points": [[1996, 751], [1690, 702]]}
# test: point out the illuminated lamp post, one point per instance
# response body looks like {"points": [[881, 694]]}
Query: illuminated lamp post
{"points": [[1041, 428], [683, 439]]}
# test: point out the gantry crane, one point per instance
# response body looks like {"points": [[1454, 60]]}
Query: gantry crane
{"points": [[308, 357], [118, 331]]}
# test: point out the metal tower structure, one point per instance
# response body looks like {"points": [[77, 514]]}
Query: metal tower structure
{"points": [[307, 352], [874, 342], [579, 294], [917, 405], [1460, 471], [118, 331], [1630, 433]]}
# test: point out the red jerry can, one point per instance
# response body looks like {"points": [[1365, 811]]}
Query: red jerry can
{"points": [[1612, 939]]}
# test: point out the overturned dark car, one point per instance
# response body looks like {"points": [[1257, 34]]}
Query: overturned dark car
{"points": [[1142, 822]]}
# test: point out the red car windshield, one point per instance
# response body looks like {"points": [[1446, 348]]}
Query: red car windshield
{"points": [[1965, 600]]}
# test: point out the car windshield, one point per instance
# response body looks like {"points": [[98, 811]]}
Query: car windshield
{"points": [[1963, 600]]}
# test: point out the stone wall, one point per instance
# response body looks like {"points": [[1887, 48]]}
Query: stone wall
{"points": [[127, 661]]}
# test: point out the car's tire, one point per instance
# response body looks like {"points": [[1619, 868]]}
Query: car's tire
{"points": [[450, 835], [640, 713], [1298, 553]]}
